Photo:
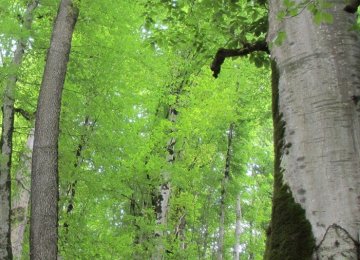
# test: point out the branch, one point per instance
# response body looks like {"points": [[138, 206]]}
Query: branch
{"points": [[27, 115], [352, 6], [226, 53]]}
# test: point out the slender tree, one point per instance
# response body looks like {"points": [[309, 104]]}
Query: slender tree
{"points": [[237, 246], [44, 174], [316, 209], [8, 112], [225, 180], [20, 202]]}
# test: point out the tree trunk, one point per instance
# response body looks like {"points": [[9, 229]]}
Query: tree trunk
{"points": [[71, 186], [221, 249], [20, 203], [44, 175], [6, 139], [316, 206], [162, 202], [237, 248]]}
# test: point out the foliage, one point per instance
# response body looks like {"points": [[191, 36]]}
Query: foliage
{"points": [[124, 74]]}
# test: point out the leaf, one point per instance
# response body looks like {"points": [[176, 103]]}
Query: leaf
{"points": [[280, 38], [281, 15], [322, 17], [289, 3], [325, 4], [312, 8], [328, 18]]}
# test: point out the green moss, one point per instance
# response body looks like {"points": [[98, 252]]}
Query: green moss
{"points": [[289, 235]]}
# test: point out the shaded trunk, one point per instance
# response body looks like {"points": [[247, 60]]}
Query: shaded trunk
{"points": [[20, 203], [162, 201], [180, 228], [44, 174], [316, 210], [71, 187], [221, 247], [6, 139], [237, 248]]}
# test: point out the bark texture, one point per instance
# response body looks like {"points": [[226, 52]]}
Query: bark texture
{"points": [[316, 204], [6, 138], [162, 201], [20, 202], [44, 175]]}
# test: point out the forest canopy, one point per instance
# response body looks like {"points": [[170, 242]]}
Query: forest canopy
{"points": [[165, 144], [179, 129]]}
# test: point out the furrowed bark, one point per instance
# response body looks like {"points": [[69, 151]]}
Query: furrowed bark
{"points": [[316, 209], [6, 139], [44, 174]]}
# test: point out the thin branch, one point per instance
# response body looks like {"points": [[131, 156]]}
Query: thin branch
{"points": [[27, 115]]}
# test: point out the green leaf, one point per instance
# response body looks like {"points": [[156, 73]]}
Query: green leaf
{"points": [[312, 8], [281, 15], [289, 3], [322, 17], [325, 4], [328, 18], [280, 38]]}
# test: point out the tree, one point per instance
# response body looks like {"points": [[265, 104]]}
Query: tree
{"points": [[20, 202], [44, 174], [127, 72], [8, 112], [223, 198], [316, 119]]}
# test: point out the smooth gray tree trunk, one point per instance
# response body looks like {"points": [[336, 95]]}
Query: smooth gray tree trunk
{"points": [[21, 200], [6, 138], [316, 80], [44, 174], [162, 203]]}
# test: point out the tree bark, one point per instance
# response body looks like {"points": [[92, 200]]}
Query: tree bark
{"points": [[221, 247], [162, 202], [20, 203], [44, 175], [237, 248], [6, 139], [316, 209]]}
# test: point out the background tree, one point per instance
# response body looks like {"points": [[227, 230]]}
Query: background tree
{"points": [[8, 111], [44, 174], [123, 75]]}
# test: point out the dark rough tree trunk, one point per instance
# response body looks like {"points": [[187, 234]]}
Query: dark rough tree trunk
{"points": [[89, 125], [316, 88], [44, 174], [6, 139]]}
